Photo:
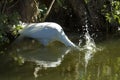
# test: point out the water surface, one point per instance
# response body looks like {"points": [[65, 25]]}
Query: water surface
{"points": [[104, 64]]}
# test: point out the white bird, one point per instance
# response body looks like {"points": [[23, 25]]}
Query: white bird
{"points": [[46, 33]]}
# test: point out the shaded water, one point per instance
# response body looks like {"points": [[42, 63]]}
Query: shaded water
{"points": [[57, 63]]}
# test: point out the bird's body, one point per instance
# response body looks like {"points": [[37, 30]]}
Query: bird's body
{"points": [[46, 33]]}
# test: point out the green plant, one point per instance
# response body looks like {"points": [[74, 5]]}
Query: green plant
{"points": [[8, 25], [43, 9], [112, 11]]}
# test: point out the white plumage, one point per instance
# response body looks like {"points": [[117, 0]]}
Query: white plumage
{"points": [[46, 33]]}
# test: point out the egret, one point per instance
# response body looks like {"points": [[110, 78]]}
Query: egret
{"points": [[46, 33]]}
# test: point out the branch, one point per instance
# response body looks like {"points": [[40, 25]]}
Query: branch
{"points": [[47, 13], [4, 6], [13, 5], [36, 4]]}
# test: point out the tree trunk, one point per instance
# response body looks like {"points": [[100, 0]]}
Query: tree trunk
{"points": [[28, 10], [91, 13], [79, 9]]}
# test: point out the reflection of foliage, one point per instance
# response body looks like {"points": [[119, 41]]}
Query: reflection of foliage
{"points": [[112, 12], [8, 24]]}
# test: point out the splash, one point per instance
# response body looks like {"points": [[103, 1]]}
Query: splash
{"points": [[89, 48]]}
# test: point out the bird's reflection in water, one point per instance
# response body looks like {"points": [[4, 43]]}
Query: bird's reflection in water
{"points": [[45, 62], [47, 56]]}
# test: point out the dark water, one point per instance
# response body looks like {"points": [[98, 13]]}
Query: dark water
{"points": [[61, 64]]}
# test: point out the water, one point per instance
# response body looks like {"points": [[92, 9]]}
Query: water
{"points": [[57, 63], [90, 47]]}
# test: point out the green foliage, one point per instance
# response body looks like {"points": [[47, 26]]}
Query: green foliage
{"points": [[16, 29], [8, 24], [112, 12], [43, 9]]}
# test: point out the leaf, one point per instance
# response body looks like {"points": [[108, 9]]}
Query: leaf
{"points": [[60, 3]]}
